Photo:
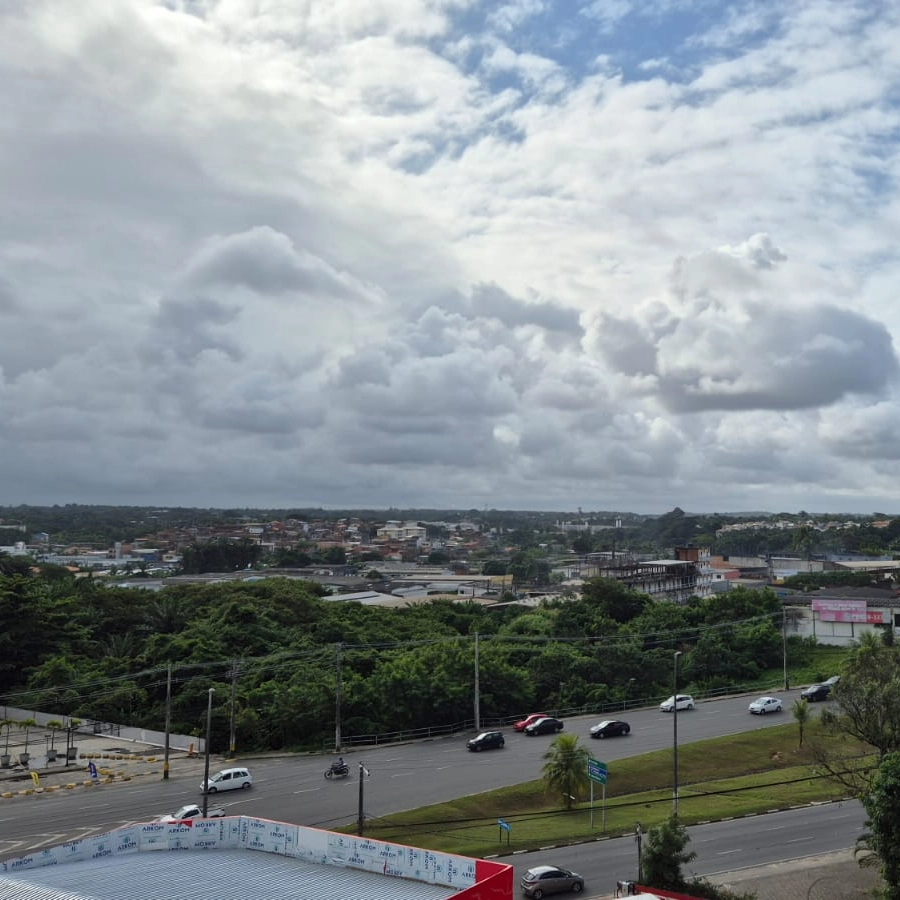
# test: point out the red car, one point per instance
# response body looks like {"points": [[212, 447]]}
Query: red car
{"points": [[521, 726]]}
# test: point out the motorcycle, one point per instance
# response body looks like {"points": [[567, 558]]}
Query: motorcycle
{"points": [[337, 771]]}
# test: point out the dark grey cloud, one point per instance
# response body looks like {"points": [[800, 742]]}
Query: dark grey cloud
{"points": [[266, 261], [190, 324], [490, 301], [731, 338], [9, 302], [801, 359], [625, 345]]}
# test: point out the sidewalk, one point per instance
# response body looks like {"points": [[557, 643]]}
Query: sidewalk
{"points": [[828, 876], [114, 759]]}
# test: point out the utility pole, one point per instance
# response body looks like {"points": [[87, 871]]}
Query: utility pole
{"points": [[168, 720], [339, 689], [638, 835], [234, 674], [477, 689], [360, 818], [784, 644], [206, 749], [675, 738]]}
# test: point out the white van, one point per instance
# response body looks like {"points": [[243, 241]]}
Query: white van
{"points": [[227, 780]]}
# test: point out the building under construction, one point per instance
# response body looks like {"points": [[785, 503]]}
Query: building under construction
{"points": [[688, 575]]}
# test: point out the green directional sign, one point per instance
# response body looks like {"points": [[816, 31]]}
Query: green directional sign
{"points": [[597, 771]]}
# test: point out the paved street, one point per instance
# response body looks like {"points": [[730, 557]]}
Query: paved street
{"points": [[830, 876]]}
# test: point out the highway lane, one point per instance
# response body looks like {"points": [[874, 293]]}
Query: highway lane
{"points": [[293, 789], [720, 846]]}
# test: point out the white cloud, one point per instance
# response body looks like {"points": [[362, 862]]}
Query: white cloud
{"points": [[448, 252]]}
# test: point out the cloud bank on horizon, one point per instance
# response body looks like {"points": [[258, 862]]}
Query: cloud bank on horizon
{"points": [[451, 253]]}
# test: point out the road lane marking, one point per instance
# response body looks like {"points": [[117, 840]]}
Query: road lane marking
{"points": [[308, 790], [49, 838]]}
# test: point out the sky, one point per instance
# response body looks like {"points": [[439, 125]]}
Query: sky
{"points": [[610, 254]]}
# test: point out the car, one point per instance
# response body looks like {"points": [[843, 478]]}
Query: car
{"points": [[227, 780], [816, 692], [685, 701], [533, 717], [487, 740], [763, 705], [547, 725], [543, 880], [191, 811], [610, 728]]}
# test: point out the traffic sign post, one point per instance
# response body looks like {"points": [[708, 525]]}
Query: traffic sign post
{"points": [[504, 826], [598, 772]]}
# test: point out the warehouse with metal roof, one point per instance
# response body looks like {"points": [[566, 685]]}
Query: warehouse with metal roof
{"points": [[239, 857]]}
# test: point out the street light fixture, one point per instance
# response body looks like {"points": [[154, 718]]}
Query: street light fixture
{"points": [[675, 737], [206, 748]]}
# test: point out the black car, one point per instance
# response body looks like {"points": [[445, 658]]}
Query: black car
{"points": [[487, 740], [610, 728], [816, 692], [544, 726]]}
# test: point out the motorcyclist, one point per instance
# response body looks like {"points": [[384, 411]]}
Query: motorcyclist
{"points": [[339, 765]]}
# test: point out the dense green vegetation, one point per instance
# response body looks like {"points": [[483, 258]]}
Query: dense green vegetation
{"points": [[77, 647]]}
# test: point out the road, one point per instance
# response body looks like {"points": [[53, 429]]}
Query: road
{"points": [[293, 789], [720, 846]]}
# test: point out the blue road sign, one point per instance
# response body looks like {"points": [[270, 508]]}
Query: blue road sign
{"points": [[504, 825], [597, 771]]}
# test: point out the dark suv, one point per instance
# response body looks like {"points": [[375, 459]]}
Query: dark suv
{"points": [[487, 740], [816, 692]]}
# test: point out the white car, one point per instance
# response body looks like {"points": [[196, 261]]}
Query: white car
{"points": [[684, 701], [227, 780], [765, 705]]}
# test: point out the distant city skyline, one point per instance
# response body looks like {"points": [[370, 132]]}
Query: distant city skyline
{"points": [[400, 513], [451, 254]]}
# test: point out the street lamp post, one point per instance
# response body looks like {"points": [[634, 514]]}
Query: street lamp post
{"points": [[206, 755], [787, 686], [675, 738]]}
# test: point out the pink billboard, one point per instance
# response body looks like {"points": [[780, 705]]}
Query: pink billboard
{"points": [[843, 611]]}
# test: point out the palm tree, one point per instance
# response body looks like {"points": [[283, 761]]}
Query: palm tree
{"points": [[26, 724], [800, 711], [54, 725], [565, 769]]}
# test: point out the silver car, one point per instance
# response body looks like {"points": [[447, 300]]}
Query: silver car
{"points": [[227, 780], [543, 880], [684, 701], [765, 705]]}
